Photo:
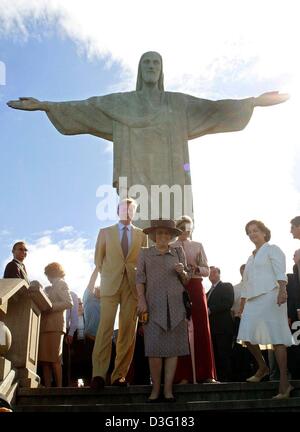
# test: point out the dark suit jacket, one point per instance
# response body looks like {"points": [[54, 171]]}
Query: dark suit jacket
{"points": [[220, 303], [293, 291], [15, 270]]}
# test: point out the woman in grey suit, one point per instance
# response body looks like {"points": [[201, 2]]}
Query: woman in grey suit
{"points": [[160, 295], [53, 324]]}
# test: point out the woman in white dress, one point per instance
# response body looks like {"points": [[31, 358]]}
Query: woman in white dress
{"points": [[263, 307]]}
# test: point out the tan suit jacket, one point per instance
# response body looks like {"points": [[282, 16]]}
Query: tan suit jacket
{"points": [[60, 296], [110, 261]]}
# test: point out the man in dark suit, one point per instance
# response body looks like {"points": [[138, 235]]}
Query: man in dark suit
{"points": [[293, 290], [219, 301], [293, 306], [16, 267]]}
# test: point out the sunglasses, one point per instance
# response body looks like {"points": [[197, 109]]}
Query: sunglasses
{"points": [[22, 249]]}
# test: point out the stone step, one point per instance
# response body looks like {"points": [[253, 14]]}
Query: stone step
{"points": [[200, 397], [257, 405]]}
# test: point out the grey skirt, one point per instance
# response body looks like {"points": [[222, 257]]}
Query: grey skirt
{"points": [[162, 343]]}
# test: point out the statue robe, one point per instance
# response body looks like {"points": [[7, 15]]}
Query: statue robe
{"points": [[150, 143]]}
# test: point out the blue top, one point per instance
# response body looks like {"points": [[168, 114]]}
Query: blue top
{"points": [[91, 307]]}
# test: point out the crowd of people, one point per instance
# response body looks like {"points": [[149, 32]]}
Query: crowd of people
{"points": [[144, 273]]}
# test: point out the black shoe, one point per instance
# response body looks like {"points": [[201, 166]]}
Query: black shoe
{"points": [[210, 381], [120, 382], [171, 399], [97, 383], [156, 400]]}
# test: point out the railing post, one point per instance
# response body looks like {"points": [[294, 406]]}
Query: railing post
{"points": [[20, 310]]}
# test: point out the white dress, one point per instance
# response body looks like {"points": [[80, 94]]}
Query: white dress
{"points": [[263, 321]]}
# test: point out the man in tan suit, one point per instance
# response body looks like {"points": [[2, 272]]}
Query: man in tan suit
{"points": [[116, 254]]}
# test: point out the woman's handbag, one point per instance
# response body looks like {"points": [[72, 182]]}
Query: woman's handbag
{"points": [[187, 304], [185, 296]]}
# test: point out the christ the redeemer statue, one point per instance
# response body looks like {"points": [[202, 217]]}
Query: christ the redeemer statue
{"points": [[150, 127]]}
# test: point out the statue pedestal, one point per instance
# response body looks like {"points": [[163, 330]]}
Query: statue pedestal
{"points": [[23, 306]]}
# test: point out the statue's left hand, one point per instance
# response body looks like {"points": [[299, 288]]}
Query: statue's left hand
{"points": [[270, 98]]}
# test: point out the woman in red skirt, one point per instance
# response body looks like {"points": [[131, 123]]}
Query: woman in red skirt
{"points": [[199, 366]]}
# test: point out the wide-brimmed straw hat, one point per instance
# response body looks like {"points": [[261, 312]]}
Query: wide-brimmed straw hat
{"points": [[168, 224]]}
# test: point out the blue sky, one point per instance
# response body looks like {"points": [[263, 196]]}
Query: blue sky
{"points": [[49, 181], [43, 161], [66, 51]]}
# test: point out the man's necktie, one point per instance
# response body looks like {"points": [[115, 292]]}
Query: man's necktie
{"points": [[124, 242], [25, 273]]}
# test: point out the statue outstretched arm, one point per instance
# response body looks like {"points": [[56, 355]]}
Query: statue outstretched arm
{"points": [[228, 115], [270, 98], [28, 104], [71, 118]]}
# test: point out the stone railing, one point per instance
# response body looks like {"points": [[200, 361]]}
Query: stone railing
{"points": [[20, 314]]}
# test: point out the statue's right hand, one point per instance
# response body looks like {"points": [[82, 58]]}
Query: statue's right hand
{"points": [[25, 103]]}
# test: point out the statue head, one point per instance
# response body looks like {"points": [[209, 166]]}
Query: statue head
{"points": [[150, 70]]}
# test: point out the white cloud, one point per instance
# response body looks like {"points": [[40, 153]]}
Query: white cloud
{"points": [[66, 229], [4, 232], [45, 233], [199, 40]]}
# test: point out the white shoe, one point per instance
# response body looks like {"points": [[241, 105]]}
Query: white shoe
{"points": [[285, 395]]}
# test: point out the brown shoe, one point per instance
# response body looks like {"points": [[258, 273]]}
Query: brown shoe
{"points": [[97, 383], [120, 382]]}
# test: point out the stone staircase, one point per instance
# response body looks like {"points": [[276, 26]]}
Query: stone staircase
{"points": [[199, 398]]}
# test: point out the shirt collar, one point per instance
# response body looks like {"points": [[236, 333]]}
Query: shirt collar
{"points": [[156, 252], [262, 247], [19, 262], [57, 279], [121, 226]]}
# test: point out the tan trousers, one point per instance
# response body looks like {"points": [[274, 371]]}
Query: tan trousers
{"points": [[126, 333]]}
